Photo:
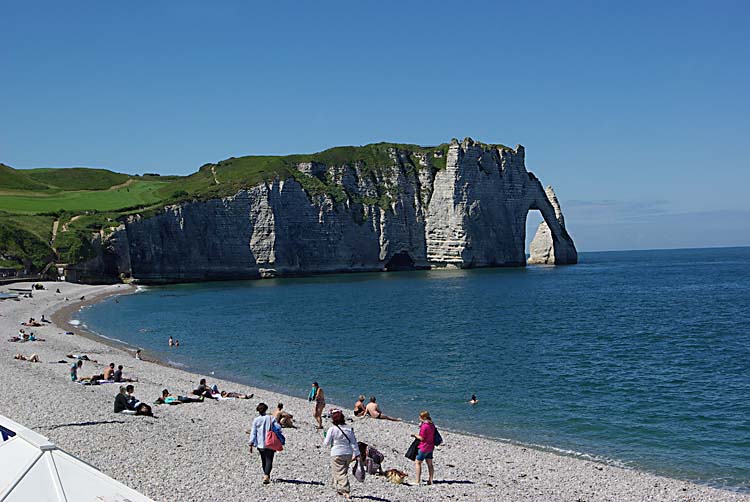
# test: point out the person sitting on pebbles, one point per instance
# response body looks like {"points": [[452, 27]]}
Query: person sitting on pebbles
{"points": [[372, 409], [204, 390], [359, 406], [284, 418]]}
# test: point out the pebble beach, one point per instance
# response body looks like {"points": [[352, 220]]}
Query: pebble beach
{"points": [[199, 451]]}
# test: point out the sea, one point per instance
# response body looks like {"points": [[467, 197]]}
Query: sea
{"points": [[638, 358]]}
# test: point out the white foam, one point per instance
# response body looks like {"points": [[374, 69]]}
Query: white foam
{"points": [[74, 322]]}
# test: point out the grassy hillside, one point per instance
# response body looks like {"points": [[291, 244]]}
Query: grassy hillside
{"points": [[13, 179], [85, 201], [76, 178]]}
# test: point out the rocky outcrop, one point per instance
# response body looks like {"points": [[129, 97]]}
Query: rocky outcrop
{"points": [[552, 247], [409, 214]]}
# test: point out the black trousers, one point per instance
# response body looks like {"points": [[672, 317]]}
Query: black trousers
{"points": [[266, 458]]}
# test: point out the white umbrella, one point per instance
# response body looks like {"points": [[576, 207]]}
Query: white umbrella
{"points": [[34, 469]]}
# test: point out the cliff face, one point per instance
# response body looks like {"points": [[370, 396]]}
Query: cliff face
{"points": [[472, 213]]}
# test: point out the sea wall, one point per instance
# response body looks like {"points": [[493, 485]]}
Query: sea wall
{"points": [[472, 213]]}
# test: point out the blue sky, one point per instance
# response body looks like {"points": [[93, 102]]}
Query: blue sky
{"points": [[637, 113]]}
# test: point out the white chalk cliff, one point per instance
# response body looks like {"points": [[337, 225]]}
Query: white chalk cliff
{"points": [[471, 213]]}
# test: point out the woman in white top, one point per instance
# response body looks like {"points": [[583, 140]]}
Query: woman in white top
{"points": [[261, 425], [344, 450]]}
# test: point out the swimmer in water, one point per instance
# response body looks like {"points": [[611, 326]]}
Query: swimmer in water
{"points": [[473, 399]]}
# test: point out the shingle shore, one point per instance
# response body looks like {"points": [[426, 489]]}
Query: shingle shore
{"points": [[198, 452]]}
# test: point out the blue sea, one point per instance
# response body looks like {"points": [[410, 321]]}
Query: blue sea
{"points": [[637, 358]]}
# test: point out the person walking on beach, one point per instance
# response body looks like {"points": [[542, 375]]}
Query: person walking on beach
{"points": [[261, 426], [344, 450], [426, 438], [319, 403]]}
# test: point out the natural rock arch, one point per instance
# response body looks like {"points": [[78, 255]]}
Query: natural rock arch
{"points": [[552, 245]]}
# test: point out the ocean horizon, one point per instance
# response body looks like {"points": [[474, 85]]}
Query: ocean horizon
{"points": [[634, 358]]}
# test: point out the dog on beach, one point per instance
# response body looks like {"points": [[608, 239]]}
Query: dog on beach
{"points": [[395, 476]]}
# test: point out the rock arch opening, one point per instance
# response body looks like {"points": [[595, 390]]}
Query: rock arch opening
{"points": [[534, 218], [400, 261]]}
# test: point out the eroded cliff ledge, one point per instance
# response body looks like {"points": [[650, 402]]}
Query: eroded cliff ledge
{"points": [[462, 206]]}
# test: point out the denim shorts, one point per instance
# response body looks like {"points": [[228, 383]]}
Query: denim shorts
{"points": [[423, 456]]}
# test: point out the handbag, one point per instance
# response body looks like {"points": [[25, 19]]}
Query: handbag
{"points": [[272, 439], [358, 470], [438, 439], [411, 453]]}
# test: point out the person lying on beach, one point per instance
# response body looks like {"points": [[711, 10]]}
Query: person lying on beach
{"points": [[359, 407], [167, 398], [93, 380], [237, 395], [109, 372], [372, 409], [282, 417], [45, 320], [33, 358], [204, 390], [32, 323], [82, 357]]}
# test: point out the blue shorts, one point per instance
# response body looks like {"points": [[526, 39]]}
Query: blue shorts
{"points": [[423, 456]]}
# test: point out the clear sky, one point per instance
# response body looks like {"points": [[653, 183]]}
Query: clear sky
{"points": [[636, 112]]}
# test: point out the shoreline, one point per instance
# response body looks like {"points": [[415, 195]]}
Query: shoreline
{"points": [[471, 467], [64, 315]]}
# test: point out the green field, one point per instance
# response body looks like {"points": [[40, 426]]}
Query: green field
{"points": [[133, 193]]}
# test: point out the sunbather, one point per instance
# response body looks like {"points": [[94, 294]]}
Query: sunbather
{"points": [[372, 409], [33, 358], [82, 357], [237, 395], [167, 398], [109, 372], [286, 419]]}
